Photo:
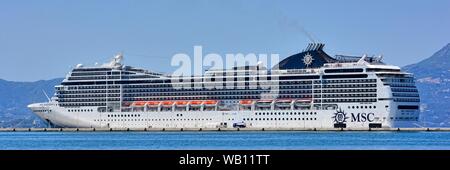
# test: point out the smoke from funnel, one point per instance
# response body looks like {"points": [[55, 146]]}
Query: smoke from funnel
{"points": [[293, 24]]}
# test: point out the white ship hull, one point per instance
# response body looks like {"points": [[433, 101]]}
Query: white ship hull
{"points": [[60, 117]]}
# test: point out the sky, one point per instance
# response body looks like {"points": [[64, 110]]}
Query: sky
{"points": [[44, 39]]}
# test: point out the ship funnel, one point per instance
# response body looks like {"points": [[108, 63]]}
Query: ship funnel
{"points": [[314, 47]]}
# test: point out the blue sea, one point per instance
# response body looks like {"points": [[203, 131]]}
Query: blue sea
{"points": [[224, 140]]}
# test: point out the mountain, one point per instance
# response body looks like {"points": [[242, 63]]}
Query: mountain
{"points": [[437, 66], [14, 98], [433, 81]]}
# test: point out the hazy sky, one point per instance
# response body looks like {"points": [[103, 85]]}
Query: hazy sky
{"points": [[44, 39]]}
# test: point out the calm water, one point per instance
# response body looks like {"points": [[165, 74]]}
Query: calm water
{"points": [[224, 140]]}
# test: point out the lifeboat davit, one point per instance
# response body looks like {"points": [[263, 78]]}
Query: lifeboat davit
{"points": [[264, 103], [246, 102], [283, 102], [303, 102]]}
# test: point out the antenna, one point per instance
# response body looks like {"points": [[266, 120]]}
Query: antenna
{"points": [[48, 98], [259, 64], [379, 58]]}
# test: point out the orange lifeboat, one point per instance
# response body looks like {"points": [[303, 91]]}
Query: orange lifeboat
{"points": [[138, 103], [181, 103], [167, 103], [153, 103], [210, 102], [196, 102], [246, 102]]}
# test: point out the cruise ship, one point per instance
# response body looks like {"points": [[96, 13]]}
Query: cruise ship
{"points": [[307, 90]]}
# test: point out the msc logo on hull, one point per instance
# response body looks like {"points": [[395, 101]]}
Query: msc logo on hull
{"points": [[341, 117]]}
